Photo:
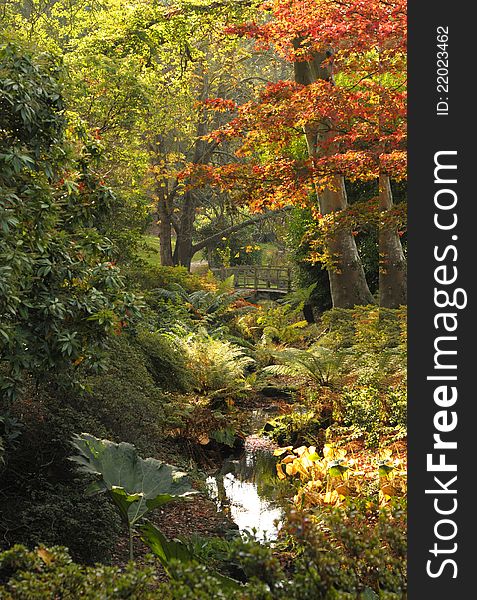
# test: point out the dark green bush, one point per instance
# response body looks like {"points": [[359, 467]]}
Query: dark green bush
{"points": [[125, 399], [42, 500], [166, 362]]}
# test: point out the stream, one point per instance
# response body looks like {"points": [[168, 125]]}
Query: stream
{"points": [[245, 487]]}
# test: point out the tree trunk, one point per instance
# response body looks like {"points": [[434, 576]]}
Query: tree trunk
{"points": [[347, 280], [183, 251], [348, 284], [165, 232], [165, 239], [392, 262]]}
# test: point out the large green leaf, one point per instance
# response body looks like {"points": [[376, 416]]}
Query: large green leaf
{"points": [[135, 484], [168, 550], [165, 550]]}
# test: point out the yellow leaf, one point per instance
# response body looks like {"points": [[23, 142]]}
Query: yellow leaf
{"points": [[203, 439], [280, 473], [343, 490], [388, 490], [280, 451], [290, 469], [330, 497], [45, 555]]}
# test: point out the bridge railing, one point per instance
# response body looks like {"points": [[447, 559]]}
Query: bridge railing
{"points": [[251, 277]]}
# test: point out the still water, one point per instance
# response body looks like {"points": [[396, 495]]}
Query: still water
{"points": [[245, 488]]}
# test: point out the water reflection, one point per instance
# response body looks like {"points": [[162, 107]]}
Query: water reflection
{"points": [[246, 490]]}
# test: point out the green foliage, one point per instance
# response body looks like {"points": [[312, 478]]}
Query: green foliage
{"points": [[317, 364], [346, 557], [10, 431], [166, 361], [370, 329], [148, 278], [205, 306], [281, 325], [217, 367], [372, 412], [307, 273], [296, 429], [135, 485], [273, 323], [125, 398], [41, 499], [50, 573], [121, 403], [170, 551], [60, 294]]}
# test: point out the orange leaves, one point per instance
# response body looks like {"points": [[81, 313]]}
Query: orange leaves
{"points": [[301, 27], [220, 104], [353, 127]]}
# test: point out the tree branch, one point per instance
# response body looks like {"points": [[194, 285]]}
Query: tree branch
{"points": [[233, 228]]}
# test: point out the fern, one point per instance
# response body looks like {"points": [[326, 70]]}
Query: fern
{"points": [[317, 364], [218, 367]]}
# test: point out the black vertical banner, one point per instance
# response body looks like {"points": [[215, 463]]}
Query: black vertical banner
{"points": [[442, 307]]}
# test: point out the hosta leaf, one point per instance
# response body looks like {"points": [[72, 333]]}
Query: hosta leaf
{"points": [[280, 473], [280, 451], [337, 470], [290, 469]]}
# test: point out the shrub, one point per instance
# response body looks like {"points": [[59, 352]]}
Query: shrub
{"points": [[297, 428], [50, 573], [318, 364], [371, 411], [345, 557], [60, 292], [41, 499], [166, 360], [148, 277], [125, 399]]}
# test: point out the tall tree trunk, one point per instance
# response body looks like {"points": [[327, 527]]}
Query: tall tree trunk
{"points": [[183, 251], [347, 280], [203, 150], [165, 228], [392, 262], [165, 239], [348, 284]]}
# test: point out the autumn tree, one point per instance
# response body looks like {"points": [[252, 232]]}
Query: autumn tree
{"points": [[346, 57]]}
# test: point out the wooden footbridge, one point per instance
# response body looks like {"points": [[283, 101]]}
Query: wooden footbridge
{"points": [[262, 280]]}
